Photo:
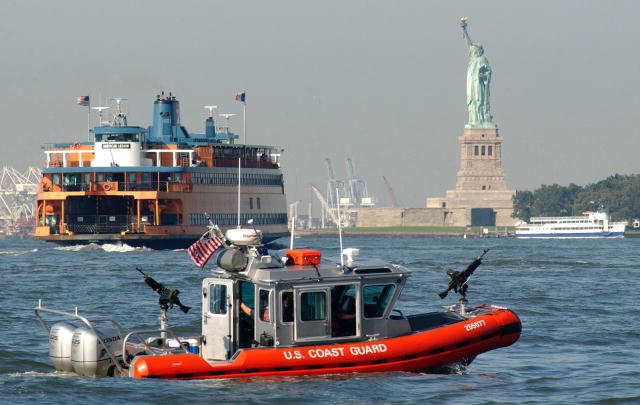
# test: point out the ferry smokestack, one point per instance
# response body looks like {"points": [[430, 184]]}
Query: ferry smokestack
{"points": [[166, 119]]}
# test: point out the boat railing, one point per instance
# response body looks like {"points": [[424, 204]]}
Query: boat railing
{"points": [[114, 186], [88, 323], [149, 348]]}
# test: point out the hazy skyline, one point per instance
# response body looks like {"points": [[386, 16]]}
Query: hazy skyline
{"points": [[380, 82]]}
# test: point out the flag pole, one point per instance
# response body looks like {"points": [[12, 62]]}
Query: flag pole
{"points": [[239, 178], [244, 116], [89, 119]]}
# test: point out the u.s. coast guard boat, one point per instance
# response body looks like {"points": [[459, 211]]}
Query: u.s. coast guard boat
{"points": [[303, 315], [592, 224]]}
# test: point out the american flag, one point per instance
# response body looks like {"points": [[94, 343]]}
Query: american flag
{"points": [[202, 250], [240, 97], [83, 100]]}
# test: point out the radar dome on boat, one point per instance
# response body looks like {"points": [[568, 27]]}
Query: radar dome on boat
{"points": [[244, 237]]}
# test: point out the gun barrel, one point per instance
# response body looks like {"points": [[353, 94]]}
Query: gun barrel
{"points": [[458, 279]]}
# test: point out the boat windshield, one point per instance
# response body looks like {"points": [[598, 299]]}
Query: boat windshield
{"points": [[130, 137]]}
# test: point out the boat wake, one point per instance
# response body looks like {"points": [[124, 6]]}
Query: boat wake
{"points": [[107, 247], [17, 252], [60, 374]]}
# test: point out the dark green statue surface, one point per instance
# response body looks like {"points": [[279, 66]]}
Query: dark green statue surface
{"points": [[478, 82]]}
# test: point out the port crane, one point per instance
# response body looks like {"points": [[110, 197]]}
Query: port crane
{"points": [[18, 192], [392, 195], [357, 187]]}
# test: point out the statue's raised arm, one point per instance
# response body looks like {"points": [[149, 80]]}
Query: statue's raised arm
{"points": [[465, 34]]}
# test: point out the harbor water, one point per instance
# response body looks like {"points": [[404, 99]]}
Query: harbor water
{"points": [[578, 301]]}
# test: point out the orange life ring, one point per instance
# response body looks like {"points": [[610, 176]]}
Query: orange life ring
{"points": [[106, 187]]}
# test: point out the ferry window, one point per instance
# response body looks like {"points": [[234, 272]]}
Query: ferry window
{"points": [[263, 308], [475, 150], [375, 299], [99, 176], [250, 203], [287, 307], [87, 178], [313, 306], [258, 202], [218, 299], [55, 179], [489, 150], [132, 177]]}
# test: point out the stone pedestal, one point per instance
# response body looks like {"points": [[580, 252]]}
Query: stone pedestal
{"points": [[480, 181]]}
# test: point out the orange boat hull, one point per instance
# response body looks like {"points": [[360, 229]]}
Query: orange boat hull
{"points": [[415, 352]]}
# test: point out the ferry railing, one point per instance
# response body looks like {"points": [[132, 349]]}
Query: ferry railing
{"points": [[85, 321], [76, 187], [95, 224], [106, 186]]}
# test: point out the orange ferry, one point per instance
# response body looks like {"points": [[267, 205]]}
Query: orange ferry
{"points": [[157, 186], [304, 315]]}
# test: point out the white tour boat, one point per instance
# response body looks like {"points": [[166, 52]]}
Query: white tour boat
{"points": [[592, 224]]}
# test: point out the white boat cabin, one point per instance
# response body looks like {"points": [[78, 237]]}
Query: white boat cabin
{"points": [[305, 301]]}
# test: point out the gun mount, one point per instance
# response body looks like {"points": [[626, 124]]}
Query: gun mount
{"points": [[168, 298]]}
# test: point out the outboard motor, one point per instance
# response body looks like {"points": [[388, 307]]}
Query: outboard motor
{"points": [[89, 357], [60, 337]]}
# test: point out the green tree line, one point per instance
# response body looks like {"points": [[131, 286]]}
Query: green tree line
{"points": [[618, 195]]}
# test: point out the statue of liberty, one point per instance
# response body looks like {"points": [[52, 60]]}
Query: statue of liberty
{"points": [[478, 81]]}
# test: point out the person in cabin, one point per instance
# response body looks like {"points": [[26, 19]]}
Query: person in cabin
{"points": [[287, 306], [249, 311], [344, 311]]}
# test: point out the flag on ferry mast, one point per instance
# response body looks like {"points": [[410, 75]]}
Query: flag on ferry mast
{"points": [[202, 250], [240, 97], [83, 101]]}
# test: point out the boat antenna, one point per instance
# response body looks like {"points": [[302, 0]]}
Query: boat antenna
{"points": [[120, 118], [339, 226], [100, 110], [210, 108], [239, 181]]}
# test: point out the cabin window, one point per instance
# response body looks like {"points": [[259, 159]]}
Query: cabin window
{"points": [[263, 308], [343, 310], [250, 203], [55, 179], [131, 177], [87, 178], [375, 299], [100, 177], [313, 306], [287, 309], [218, 299], [246, 293], [258, 202], [475, 150]]}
